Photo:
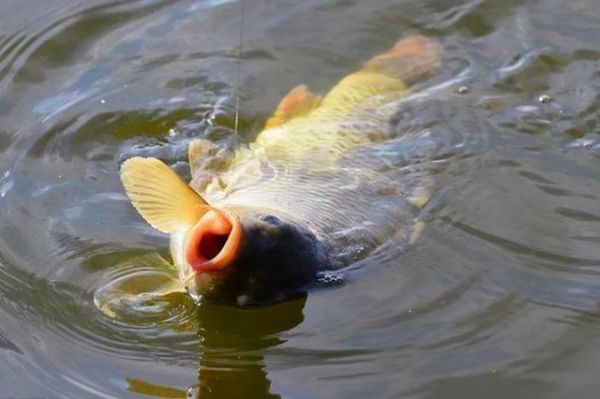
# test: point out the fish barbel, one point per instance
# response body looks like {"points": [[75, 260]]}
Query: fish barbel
{"points": [[315, 191]]}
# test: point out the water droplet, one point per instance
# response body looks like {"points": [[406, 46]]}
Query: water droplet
{"points": [[545, 99], [463, 90]]}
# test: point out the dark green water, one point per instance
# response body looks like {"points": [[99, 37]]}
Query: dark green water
{"points": [[499, 298]]}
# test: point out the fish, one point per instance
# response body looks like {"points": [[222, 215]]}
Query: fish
{"points": [[323, 185]]}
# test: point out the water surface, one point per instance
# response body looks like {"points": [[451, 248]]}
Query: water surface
{"points": [[498, 298]]}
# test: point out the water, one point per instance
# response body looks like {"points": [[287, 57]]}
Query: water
{"points": [[498, 298]]}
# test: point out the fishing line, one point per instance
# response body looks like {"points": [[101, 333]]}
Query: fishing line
{"points": [[239, 72]]}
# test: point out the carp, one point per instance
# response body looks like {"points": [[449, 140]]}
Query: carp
{"points": [[320, 187]]}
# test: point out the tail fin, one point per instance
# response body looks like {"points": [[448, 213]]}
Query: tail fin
{"points": [[411, 60]]}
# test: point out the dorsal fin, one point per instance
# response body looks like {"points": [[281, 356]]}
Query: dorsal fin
{"points": [[160, 196], [299, 101]]}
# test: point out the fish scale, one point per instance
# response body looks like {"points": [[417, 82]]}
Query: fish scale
{"points": [[305, 196]]}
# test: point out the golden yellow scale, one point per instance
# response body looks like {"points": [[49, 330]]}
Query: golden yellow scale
{"points": [[293, 167]]}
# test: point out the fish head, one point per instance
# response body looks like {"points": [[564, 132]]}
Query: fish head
{"points": [[231, 254], [247, 256]]}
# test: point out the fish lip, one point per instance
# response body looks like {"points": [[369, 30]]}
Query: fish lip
{"points": [[227, 255]]}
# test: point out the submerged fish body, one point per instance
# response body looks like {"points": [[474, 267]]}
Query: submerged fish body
{"points": [[316, 190]]}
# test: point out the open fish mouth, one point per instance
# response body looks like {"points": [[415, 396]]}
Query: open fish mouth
{"points": [[214, 242]]}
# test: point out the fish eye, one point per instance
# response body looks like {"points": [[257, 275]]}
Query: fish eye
{"points": [[274, 220]]}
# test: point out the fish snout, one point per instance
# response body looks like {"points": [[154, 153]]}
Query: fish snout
{"points": [[248, 256], [214, 242]]}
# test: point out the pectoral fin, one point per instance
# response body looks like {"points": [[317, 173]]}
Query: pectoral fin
{"points": [[299, 101], [165, 201]]}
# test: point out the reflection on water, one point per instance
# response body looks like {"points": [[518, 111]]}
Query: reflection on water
{"points": [[497, 298], [231, 360]]}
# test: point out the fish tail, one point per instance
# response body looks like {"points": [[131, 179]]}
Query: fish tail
{"points": [[411, 60]]}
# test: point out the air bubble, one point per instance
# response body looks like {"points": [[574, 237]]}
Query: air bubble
{"points": [[544, 99]]}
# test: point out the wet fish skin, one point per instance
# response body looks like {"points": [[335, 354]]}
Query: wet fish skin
{"points": [[262, 228]]}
